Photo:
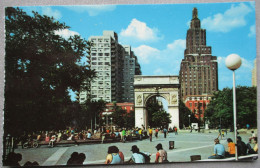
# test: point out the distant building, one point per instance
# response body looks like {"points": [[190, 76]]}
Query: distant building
{"points": [[197, 104], [199, 69], [254, 74], [115, 66], [125, 106]]}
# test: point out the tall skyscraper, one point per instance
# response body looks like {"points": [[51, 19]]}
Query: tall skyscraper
{"points": [[199, 69], [115, 66]]}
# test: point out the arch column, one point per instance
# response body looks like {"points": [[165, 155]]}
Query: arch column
{"points": [[140, 117], [174, 112]]}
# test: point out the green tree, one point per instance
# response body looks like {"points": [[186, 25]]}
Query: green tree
{"points": [[220, 108], [92, 112], [121, 118], [40, 67], [184, 115], [157, 116]]}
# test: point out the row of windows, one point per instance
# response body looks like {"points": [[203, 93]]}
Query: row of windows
{"points": [[100, 40], [100, 54]]}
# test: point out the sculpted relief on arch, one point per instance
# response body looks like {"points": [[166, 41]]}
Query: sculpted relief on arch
{"points": [[139, 99]]}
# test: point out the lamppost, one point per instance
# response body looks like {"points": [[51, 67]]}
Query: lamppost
{"points": [[189, 119], [111, 123], [233, 62]]}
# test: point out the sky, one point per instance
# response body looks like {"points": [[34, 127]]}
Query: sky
{"points": [[157, 33]]}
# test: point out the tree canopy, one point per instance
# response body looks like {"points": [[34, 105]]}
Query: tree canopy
{"points": [[220, 110], [121, 118], [40, 68], [185, 120], [157, 116]]}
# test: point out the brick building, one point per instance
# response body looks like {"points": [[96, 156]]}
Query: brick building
{"points": [[199, 69]]}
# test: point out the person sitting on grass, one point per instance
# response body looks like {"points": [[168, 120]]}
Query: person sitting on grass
{"points": [[219, 150]]}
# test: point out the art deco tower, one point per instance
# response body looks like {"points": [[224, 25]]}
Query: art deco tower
{"points": [[199, 69]]}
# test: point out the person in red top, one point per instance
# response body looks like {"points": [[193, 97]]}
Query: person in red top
{"points": [[161, 155], [176, 130], [156, 132]]}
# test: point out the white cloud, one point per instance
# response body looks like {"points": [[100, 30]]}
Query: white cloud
{"points": [[230, 19], [138, 30], [252, 31], [92, 10], [66, 33], [146, 53], [168, 59], [50, 12]]}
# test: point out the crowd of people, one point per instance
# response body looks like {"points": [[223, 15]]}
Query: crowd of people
{"points": [[115, 156], [70, 134]]}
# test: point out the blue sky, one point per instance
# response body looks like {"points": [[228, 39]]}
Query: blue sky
{"points": [[157, 33]]}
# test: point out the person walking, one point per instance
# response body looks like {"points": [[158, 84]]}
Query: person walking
{"points": [[161, 154], [123, 135], [176, 130], [150, 134], [165, 131], [156, 133], [219, 150], [140, 133]]}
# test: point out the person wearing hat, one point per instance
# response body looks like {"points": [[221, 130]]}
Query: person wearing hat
{"points": [[161, 155], [139, 157]]}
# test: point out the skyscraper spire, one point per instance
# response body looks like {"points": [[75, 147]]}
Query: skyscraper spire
{"points": [[195, 22], [194, 13]]}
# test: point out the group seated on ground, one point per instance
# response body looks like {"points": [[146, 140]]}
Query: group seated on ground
{"points": [[242, 148]]}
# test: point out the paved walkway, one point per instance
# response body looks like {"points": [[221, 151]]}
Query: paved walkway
{"points": [[186, 144]]}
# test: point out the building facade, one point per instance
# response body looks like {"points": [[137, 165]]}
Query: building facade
{"points": [[115, 66], [199, 69]]}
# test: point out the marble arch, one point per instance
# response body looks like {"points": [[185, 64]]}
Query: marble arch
{"points": [[146, 87]]}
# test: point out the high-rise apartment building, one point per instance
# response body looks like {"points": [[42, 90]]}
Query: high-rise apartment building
{"points": [[115, 66], [199, 69]]}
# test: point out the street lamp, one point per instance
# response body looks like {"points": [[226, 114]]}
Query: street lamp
{"points": [[233, 62], [189, 119], [111, 123]]}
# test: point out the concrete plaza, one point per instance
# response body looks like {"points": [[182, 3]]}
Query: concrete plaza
{"points": [[186, 144]]}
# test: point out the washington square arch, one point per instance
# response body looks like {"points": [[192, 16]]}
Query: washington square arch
{"points": [[146, 87]]}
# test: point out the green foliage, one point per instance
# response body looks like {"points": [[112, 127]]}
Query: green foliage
{"points": [[184, 112], [91, 111], [157, 116], [220, 108], [40, 68], [121, 118]]}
